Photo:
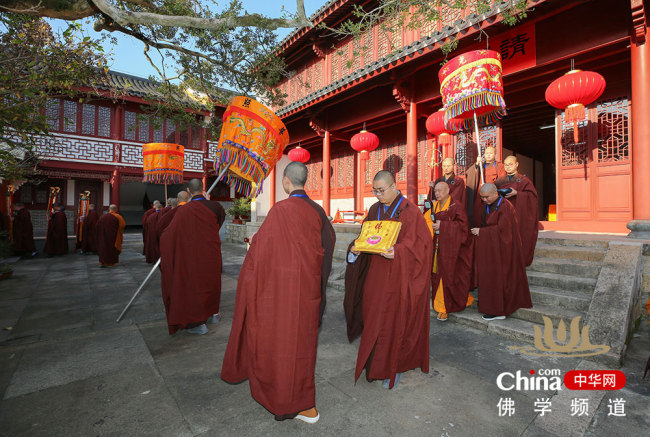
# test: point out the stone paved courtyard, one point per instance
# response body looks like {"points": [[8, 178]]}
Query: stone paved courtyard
{"points": [[68, 369]]}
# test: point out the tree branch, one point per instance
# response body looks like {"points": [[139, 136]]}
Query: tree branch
{"points": [[125, 18]]}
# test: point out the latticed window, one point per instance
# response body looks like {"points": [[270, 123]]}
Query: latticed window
{"points": [[158, 130], [170, 131], [574, 153], [143, 130], [184, 137], [196, 137], [69, 116], [613, 130], [130, 121], [53, 115], [103, 121], [88, 119]]}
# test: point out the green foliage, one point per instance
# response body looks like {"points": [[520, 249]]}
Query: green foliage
{"points": [[37, 65], [241, 207]]}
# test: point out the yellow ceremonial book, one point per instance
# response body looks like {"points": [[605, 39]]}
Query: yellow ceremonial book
{"points": [[377, 236]]}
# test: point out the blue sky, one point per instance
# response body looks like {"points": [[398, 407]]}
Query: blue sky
{"points": [[127, 54]]}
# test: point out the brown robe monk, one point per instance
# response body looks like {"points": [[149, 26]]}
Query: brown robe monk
{"points": [[190, 250], [89, 232], [151, 243], [456, 188], [502, 281], [145, 216], [492, 172], [387, 300], [525, 203], [23, 233], [165, 220], [453, 251], [57, 234], [280, 294], [110, 233]]}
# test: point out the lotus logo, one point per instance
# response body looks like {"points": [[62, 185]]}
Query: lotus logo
{"points": [[578, 344]]}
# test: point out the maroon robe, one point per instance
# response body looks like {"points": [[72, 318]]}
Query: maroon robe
{"points": [[164, 221], [57, 234], [274, 333], [23, 233], [190, 266], [145, 216], [455, 251], [109, 238], [387, 300], [456, 188], [474, 204], [525, 203], [151, 243], [502, 280], [89, 232]]}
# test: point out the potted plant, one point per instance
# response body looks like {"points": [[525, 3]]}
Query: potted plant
{"points": [[241, 208]]}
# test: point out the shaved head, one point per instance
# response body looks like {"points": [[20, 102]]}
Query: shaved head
{"points": [[384, 175], [156, 202], [172, 202], [448, 161], [488, 189], [447, 167], [195, 186], [490, 154], [112, 208], [441, 191], [183, 196], [511, 165], [296, 172]]}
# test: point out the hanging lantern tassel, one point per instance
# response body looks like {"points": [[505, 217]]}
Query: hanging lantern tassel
{"points": [[573, 114]]}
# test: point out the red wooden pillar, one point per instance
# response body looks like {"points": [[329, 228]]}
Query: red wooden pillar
{"points": [[641, 128], [115, 188], [272, 188], [326, 172], [360, 165], [412, 152]]}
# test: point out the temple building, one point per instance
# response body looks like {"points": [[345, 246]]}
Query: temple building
{"points": [[594, 184], [96, 146]]}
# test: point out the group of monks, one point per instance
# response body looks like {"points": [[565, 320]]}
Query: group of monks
{"points": [[102, 235]]}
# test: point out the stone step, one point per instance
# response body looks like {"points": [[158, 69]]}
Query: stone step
{"points": [[561, 282], [601, 244], [645, 279], [555, 251], [555, 313], [515, 329], [336, 284], [585, 269], [340, 254], [560, 299]]}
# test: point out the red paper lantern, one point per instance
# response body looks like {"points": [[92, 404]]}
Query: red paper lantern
{"points": [[299, 154], [572, 92], [364, 142], [436, 126]]}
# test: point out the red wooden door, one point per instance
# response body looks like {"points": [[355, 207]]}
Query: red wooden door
{"points": [[594, 181]]}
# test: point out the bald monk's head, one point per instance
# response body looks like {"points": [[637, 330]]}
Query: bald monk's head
{"points": [[157, 205], [195, 186], [294, 177], [172, 202], [384, 187], [489, 193], [489, 154], [112, 208], [155, 202], [447, 167], [183, 196], [169, 201], [441, 191], [91, 207], [511, 165]]}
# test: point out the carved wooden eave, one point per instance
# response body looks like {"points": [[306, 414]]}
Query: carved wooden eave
{"points": [[402, 95], [319, 127], [639, 21]]}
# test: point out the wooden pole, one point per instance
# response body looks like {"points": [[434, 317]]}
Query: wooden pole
{"points": [[478, 146]]}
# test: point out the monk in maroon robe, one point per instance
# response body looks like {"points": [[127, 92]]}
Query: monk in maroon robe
{"points": [[151, 243], [456, 184], [502, 281], [89, 230], [190, 252], [492, 170], [524, 198], [169, 205], [145, 216], [110, 233], [56, 242], [387, 296], [280, 295], [23, 232], [165, 220], [452, 253]]}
